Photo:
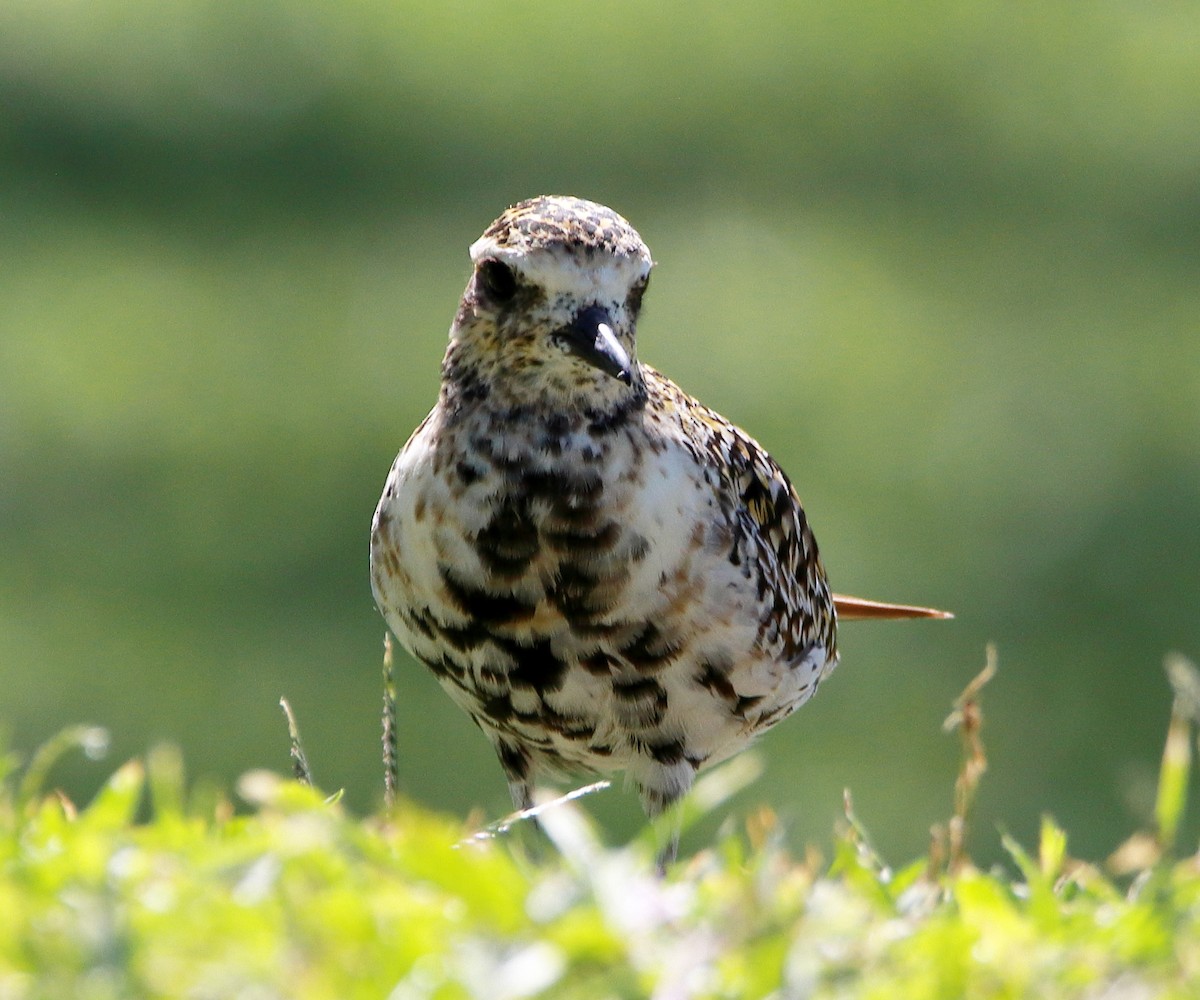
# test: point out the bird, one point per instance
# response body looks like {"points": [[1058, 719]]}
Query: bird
{"points": [[605, 574]]}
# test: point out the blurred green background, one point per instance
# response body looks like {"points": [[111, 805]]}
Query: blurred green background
{"points": [[940, 258]]}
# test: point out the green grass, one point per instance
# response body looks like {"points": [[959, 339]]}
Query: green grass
{"points": [[296, 898]]}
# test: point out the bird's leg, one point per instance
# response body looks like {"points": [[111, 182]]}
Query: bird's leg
{"points": [[669, 851], [519, 772], [661, 793], [518, 769], [522, 794], [858, 607]]}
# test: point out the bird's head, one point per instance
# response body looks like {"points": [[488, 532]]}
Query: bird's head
{"points": [[550, 313]]}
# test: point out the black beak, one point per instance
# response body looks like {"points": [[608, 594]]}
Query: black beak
{"points": [[590, 336]]}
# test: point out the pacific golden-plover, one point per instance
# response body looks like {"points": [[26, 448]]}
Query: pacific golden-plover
{"points": [[605, 574]]}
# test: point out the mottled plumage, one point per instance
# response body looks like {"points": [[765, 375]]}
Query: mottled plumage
{"points": [[603, 572]]}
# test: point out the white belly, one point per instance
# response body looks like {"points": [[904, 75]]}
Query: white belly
{"points": [[605, 627]]}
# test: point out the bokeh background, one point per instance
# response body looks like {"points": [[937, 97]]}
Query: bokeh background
{"points": [[940, 258]]}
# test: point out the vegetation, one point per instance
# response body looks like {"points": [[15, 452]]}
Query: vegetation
{"points": [[298, 899]]}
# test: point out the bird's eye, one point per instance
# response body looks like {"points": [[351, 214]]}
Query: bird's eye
{"points": [[634, 302], [498, 281]]}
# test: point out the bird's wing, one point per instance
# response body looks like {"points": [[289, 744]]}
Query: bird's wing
{"points": [[769, 539]]}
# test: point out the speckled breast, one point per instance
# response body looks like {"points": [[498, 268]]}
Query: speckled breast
{"points": [[575, 586]]}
